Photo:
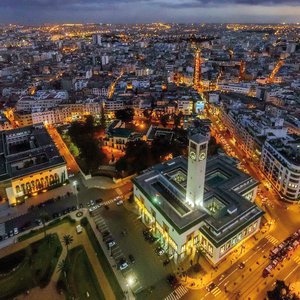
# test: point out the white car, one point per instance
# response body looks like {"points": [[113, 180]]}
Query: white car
{"points": [[16, 231], [78, 229], [123, 265], [110, 243], [94, 208], [120, 202]]}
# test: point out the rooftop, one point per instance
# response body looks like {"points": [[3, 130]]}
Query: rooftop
{"points": [[224, 211], [27, 150]]}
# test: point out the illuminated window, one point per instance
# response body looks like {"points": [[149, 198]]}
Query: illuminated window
{"points": [[222, 249]]}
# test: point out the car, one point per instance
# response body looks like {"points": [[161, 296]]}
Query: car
{"points": [[38, 222], [108, 238], [131, 258], [105, 233], [159, 251], [73, 208], [5, 236], [166, 262], [122, 265], [172, 280], [91, 209], [211, 286], [11, 233], [110, 243], [242, 265], [16, 231], [152, 239], [78, 229], [55, 215], [106, 207], [99, 200], [120, 202]]}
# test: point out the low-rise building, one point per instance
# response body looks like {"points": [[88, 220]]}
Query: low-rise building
{"points": [[197, 204], [30, 163]]}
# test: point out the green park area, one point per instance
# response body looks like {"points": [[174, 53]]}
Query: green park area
{"points": [[29, 267], [78, 279]]}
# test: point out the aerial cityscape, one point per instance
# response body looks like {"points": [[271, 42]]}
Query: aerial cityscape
{"points": [[151, 154]]}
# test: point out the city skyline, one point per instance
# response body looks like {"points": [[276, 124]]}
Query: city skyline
{"points": [[188, 11]]}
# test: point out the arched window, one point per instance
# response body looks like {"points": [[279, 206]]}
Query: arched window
{"points": [[18, 190]]}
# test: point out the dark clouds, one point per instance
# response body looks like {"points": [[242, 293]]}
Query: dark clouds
{"points": [[39, 11]]}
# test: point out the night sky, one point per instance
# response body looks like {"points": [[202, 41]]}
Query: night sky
{"points": [[142, 11]]}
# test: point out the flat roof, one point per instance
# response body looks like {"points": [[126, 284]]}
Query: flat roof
{"points": [[27, 150], [224, 209]]}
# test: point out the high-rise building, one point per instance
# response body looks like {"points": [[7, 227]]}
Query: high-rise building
{"points": [[97, 40]]}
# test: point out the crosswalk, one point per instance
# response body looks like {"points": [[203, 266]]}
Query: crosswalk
{"points": [[271, 239], [216, 291], [296, 259], [108, 202], [177, 294]]}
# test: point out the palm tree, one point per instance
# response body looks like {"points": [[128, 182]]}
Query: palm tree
{"points": [[44, 218], [63, 266], [67, 240]]}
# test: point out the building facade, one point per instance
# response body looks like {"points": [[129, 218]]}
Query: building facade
{"points": [[30, 163], [213, 215]]}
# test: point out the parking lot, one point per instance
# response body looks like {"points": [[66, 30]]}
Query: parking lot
{"points": [[145, 273]]}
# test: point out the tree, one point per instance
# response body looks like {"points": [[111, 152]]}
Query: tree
{"points": [[63, 266], [102, 118], [164, 120], [125, 115], [281, 291], [177, 119], [44, 218], [67, 240]]}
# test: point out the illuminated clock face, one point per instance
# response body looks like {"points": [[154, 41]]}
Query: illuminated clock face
{"points": [[202, 156], [193, 155]]}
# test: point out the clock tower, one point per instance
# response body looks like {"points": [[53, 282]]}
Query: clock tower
{"points": [[196, 169]]}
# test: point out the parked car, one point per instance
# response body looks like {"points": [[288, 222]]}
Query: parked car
{"points": [[78, 229], [160, 251], [173, 281], [131, 258], [166, 262], [242, 265], [211, 286], [122, 265], [110, 243], [120, 202], [16, 231], [105, 233]]}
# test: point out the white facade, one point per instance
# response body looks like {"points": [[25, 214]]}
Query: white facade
{"points": [[281, 172], [196, 171]]}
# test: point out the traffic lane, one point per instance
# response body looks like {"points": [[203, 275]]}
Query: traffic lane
{"points": [[58, 206], [255, 283], [233, 274]]}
